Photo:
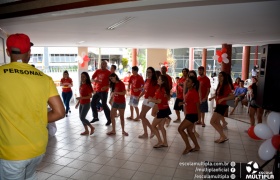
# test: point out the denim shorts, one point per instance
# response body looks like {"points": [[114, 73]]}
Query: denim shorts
{"points": [[19, 170], [133, 101], [118, 105]]}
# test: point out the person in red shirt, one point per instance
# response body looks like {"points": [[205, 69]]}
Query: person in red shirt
{"points": [[205, 85], [180, 95], [223, 93], [118, 94], [135, 86], [161, 98], [84, 102], [66, 83], [191, 102], [149, 90], [236, 83], [126, 78], [164, 72], [101, 78]]}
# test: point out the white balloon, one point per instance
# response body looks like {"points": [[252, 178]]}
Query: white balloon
{"points": [[224, 55], [79, 59], [266, 150], [225, 60], [273, 121], [216, 57], [263, 131]]}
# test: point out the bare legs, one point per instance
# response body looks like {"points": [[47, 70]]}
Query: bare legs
{"points": [[181, 129], [178, 116], [160, 123], [113, 115], [215, 122], [131, 113], [252, 113], [145, 121]]}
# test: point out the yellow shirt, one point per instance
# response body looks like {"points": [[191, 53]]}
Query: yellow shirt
{"points": [[24, 92]]}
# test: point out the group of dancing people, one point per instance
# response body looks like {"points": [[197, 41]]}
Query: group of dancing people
{"points": [[192, 98]]}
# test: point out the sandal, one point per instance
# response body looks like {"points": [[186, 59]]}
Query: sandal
{"points": [[84, 133], [129, 118], [203, 125], [222, 141], [186, 151], [125, 133], [111, 133], [194, 150], [152, 135], [143, 136], [158, 146]]}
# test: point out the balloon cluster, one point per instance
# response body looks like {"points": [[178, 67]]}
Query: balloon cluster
{"points": [[270, 133], [221, 56], [83, 60]]}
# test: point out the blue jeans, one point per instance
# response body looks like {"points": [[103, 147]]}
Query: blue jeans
{"points": [[19, 170], [66, 96], [95, 99], [83, 110]]}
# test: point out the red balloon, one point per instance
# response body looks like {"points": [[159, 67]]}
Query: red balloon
{"points": [[83, 64], [276, 141], [252, 134], [86, 58], [224, 50], [219, 53], [220, 59]]}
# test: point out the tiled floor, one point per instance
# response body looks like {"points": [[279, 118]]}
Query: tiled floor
{"points": [[99, 156]]}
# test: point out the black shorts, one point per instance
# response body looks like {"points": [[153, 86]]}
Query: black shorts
{"points": [[191, 117], [176, 105], [253, 104], [221, 109], [204, 107], [163, 113]]}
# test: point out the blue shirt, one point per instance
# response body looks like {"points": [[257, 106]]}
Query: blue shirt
{"points": [[239, 91]]}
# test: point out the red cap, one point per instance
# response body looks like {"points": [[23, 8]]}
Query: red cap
{"points": [[18, 44]]}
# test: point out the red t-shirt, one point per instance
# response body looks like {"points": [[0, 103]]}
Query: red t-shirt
{"points": [[102, 77], [227, 91], [180, 88], [169, 81], [149, 89], [119, 87], [191, 100], [204, 84], [85, 90], [235, 85], [136, 83], [126, 79], [66, 88], [161, 94]]}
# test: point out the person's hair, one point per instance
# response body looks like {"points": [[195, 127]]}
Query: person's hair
{"points": [[135, 68], [112, 85], [192, 71], [154, 77], [88, 82], [194, 81], [225, 83], [177, 77], [256, 79], [158, 73], [114, 66], [230, 81], [186, 69], [241, 81], [165, 84], [201, 68], [64, 72], [128, 72]]}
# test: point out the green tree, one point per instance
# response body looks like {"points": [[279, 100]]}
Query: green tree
{"points": [[124, 62]]}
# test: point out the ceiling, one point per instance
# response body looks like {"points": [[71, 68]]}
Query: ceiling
{"points": [[155, 24]]}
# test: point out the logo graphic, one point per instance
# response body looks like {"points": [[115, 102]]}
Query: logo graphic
{"points": [[252, 167]]}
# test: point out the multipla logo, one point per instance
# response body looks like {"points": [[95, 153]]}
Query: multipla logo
{"points": [[254, 172]]}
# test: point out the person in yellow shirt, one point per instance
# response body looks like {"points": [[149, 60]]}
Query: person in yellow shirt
{"points": [[25, 93]]}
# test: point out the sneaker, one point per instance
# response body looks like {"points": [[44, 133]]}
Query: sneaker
{"points": [[108, 124], [69, 111], [177, 121], [66, 115], [94, 120]]}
